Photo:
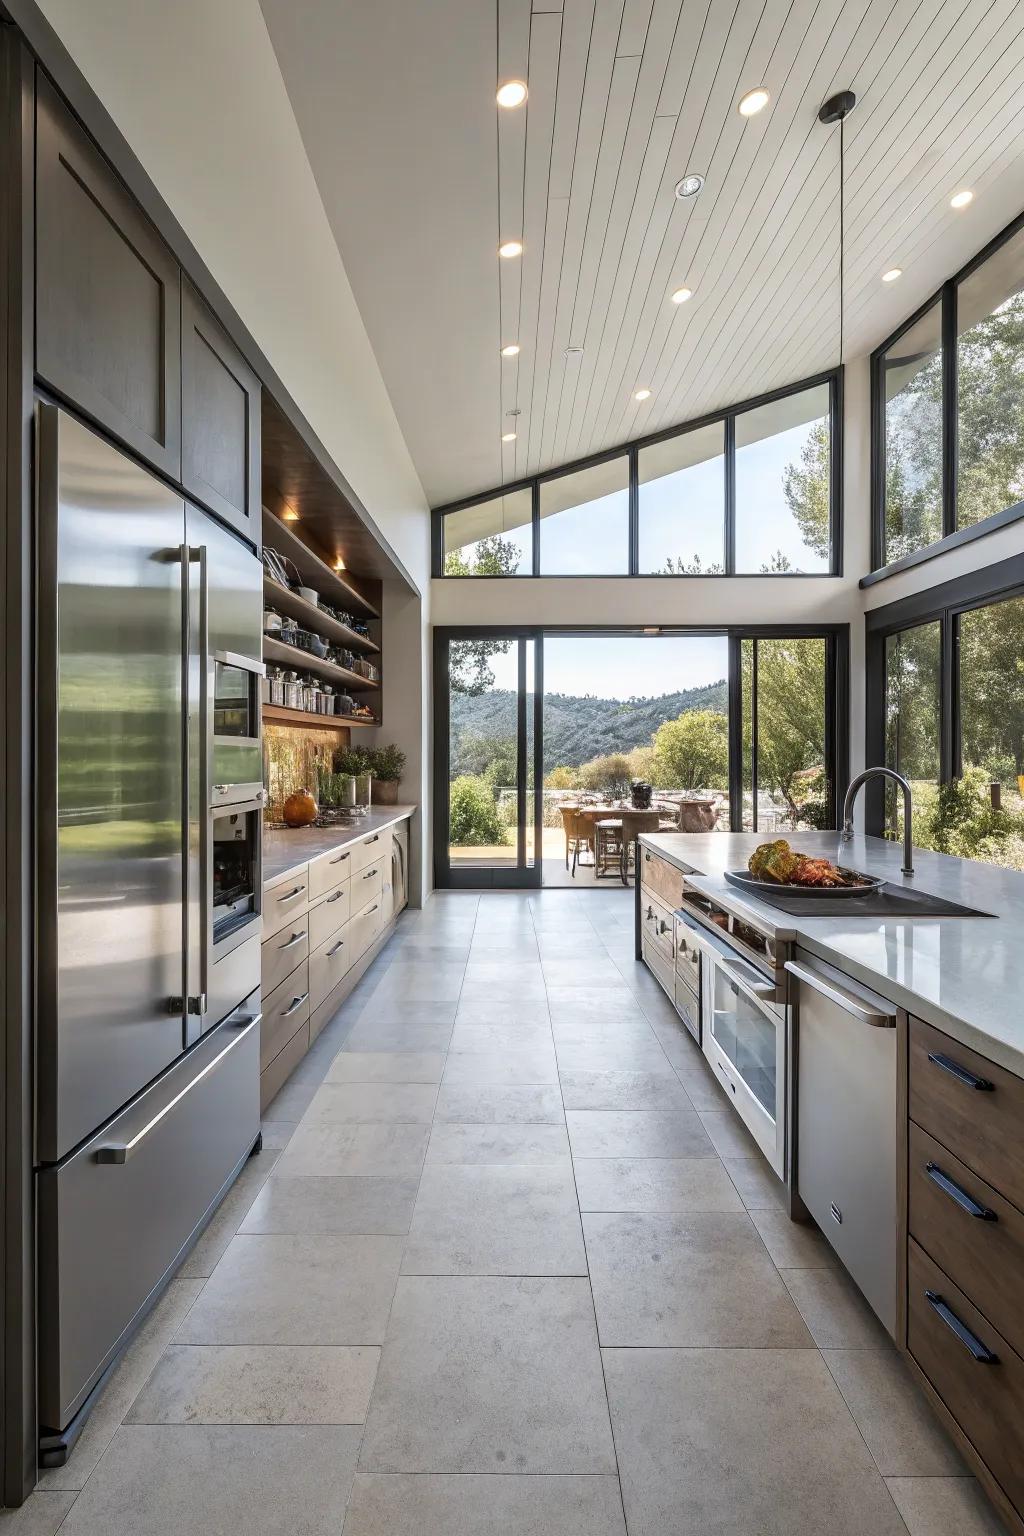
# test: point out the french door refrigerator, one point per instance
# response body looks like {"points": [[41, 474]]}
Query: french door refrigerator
{"points": [[150, 791]]}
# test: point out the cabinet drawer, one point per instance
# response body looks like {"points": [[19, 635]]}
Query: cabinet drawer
{"points": [[986, 1399], [364, 928], [367, 883], [661, 878], [656, 927], [286, 901], [688, 1007], [284, 1013], [281, 954], [371, 849], [970, 1231], [274, 1077], [329, 870], [659, 967], [687, 956], [329, 914], [971, 1106], [328, 964]]}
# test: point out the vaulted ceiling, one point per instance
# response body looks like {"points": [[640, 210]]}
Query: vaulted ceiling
{"points": [[422, 177]]}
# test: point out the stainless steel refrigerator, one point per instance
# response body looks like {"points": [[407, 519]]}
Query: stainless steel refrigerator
{"points": [[150, 794]]}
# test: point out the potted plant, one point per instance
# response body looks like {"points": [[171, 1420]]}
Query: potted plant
{"points": [[387, 764]]}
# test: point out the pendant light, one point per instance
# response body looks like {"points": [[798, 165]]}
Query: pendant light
{"points": [[836, 110]]}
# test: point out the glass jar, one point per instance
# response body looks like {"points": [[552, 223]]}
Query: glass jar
{"points": [[292, 690], [343, 703], [326, 699]]}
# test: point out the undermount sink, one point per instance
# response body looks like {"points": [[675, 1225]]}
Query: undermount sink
{"points": [[887, 901]]}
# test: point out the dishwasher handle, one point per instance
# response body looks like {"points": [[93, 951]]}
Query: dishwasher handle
{"points": [[865, 1006]]}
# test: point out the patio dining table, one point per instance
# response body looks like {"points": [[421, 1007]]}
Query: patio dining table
{"points": [[633, 822]]}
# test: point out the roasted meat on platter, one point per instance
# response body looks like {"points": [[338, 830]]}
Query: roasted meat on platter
{"points": [[778, 863]]}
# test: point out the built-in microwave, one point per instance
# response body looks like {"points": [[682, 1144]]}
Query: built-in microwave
{"points": [[235, 752]]}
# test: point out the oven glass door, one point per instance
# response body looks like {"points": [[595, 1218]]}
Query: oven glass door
{"points": [[745, 1041], [236, 865]]}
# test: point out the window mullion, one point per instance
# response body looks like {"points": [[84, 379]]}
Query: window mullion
{"points": [[730, 495], [949, 409]]}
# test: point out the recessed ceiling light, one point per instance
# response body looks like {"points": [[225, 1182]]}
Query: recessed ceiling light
{"points": [[574, 351], [689, 186], [642, 394], [510, 248], [290, 515], [508, 437], [892, 274], [681, 295], [512, 350], [753, 102], [339, 564], [512, 93], [961, 199], [514, 412]]}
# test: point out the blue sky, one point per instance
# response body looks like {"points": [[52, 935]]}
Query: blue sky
{"points": [[620, 667]]}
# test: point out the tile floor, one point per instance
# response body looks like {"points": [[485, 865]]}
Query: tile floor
{"points": [[508, 1266]]}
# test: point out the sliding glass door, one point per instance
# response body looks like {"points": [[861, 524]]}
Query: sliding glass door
{"points": [[487, 745]]}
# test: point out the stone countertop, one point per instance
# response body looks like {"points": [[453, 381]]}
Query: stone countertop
{"points": [[287, 849], [965, 975]]}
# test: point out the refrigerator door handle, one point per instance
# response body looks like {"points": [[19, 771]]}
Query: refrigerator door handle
{"points": [[121, 1153], [198, 555], [236, 659]]}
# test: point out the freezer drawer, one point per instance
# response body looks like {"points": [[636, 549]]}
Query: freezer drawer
{"points": [[115, 1218]]}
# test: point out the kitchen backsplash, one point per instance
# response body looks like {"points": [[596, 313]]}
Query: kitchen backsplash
{"points": [[290, 759]]}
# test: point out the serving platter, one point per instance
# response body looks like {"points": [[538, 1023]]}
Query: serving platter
{"points": [[750, 883]]}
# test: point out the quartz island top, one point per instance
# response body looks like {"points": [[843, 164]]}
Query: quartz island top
{"points": [[965, 975], [286, 849]]}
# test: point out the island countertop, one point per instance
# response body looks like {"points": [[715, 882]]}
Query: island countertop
{"points": [[965, 975], [287, 849]]}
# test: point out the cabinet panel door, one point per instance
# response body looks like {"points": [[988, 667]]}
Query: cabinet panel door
{"points": [[220, 420], [108, 295]]}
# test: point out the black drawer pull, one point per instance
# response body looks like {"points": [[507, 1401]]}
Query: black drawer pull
{"points": [[370, 873], [960, 1196], [332, 952], [336, 897], [969, 1340], [296, 890], [339, 860], [296, 938], [295, 1003], [374, 839], [961, 1074]]}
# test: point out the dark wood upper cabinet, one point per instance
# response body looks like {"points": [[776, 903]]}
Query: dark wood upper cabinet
{"points": [[108, 293], [220, 420]]}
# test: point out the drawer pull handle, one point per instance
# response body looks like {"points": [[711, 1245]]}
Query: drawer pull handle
{"points": [[960, 1196], [370, 909], [662, 925], [339, 860], [370, 874], [296, 938], [336, 897], [295, 1003], [121, 1154], [334, 950], [296, 890], [962, 1075], [374, 839], [969, 1340]]}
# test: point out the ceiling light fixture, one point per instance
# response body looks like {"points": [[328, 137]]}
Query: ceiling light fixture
{"points": [[836, 110], [510, 248], [512, 93], [289, 515], [339, 564], [753, 102], [681, 295], [508, 437], [514, 412], [689, 186], [642, 394], [574, 351], [512, 350], [961, 199], [892, 274]]}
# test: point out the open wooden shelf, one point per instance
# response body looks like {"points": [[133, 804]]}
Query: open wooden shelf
{"points": [[314, 571], [281, 714], [284, 600], [291, 656]]}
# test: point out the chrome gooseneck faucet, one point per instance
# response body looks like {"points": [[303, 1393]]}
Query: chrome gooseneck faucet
{"points": [[908, 810]]}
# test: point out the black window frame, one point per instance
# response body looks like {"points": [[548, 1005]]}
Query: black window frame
{"points": [[952, 536], [943, 604], [832, 377]]}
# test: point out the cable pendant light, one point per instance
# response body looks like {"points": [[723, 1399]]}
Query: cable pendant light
{"points": [[836, 110]]}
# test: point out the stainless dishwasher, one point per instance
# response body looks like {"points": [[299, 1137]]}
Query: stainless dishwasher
{"points": [[847, 1124]]}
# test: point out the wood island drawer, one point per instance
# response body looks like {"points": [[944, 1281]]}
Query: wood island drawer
{"points": [[329, 870], [280, 954], [970, 1231], [329, 914], [659, 967], [329, 964], [971, 1106], [285, 900], [661, 878], [371, 849], [284, 1013], [656, 927], [687, 955], [973, 1369], [366, 884]]}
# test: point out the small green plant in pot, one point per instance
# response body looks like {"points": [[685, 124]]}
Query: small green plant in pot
{"points": [[387, 764]]}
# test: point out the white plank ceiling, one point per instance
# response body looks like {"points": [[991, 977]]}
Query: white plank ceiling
{"points": [[422, 175]]}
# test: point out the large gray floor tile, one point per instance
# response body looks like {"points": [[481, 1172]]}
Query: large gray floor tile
{"points": [[258, 1384], [792, 1244], [421, 980], [834, 1309], [488, 1375], [601, 1029], [126, 1381], [758, 1186], [217, 1480], [502, 1010], [740, 1442], [581, 1004], [372, 1103], [297, 1290], [599, 973], [511, 1064], [495, 1219], [625, 1055], [386, 1151], [654, 1184], [902, 1433], [401, 1035], [944, 1506], [621, 1090], [637, 1133], [340, 1207], [728, 1134], [492, 1104], [396, 1504], [514, 1143], [387, 1067], [40, 1515], [407, 1013], [703, 1088], [277, 1134], [229, 1215], [696, 1279]]}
